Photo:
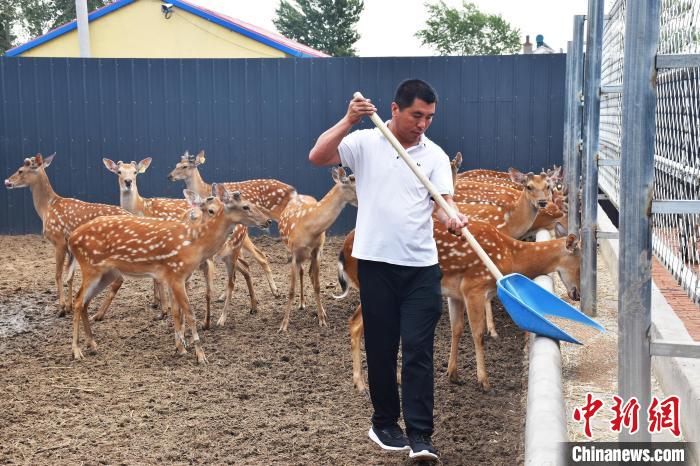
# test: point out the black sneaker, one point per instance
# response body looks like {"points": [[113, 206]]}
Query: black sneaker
{"points": [[422, 447], [389, 438]]}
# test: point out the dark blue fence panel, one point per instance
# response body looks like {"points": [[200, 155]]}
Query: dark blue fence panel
{"points": [[255, 118]]}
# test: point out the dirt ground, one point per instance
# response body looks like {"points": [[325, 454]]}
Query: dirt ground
{"points": [[264, 397]]}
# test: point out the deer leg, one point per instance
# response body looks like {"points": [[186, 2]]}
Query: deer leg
{"points": [[294, 270], [302, 304], [156, 295], [180, 343], [230, 283], [456, 309], [60, 253], [165, 300], [357, 329], [261, 259], [208, 270], [245, 271], [314, 272], [490, 326], [475, 311], [93, 283], [177, 289], [114, 287]]}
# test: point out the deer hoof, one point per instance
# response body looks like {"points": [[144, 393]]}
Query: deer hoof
{"points": [[485, 385], [77, 354], [453, 377]]}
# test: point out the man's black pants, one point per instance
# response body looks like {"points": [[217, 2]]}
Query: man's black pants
{"points": [[400, 302]]}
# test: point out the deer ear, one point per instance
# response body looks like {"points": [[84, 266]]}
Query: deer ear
{"points": [[218, 190], [559, 230], [143, 165], [571, 242], [48, 160], [200, 158], [334, 174], [516, 176], [111, 166], [192, 197]]}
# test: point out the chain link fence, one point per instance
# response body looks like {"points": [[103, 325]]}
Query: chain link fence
{"points": [[677, 148]]}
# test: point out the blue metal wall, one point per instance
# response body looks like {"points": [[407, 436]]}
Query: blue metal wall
{"points": [[256, 118]]}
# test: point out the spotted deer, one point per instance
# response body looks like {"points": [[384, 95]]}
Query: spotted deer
{"points": [[514, 218], [59, 215], [166, 250], [158, 207], [554, 175], [467, 283], [270, 194], [303, 226]]}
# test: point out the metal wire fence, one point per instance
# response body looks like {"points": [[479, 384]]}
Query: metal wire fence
{"points": [[677, 147]]}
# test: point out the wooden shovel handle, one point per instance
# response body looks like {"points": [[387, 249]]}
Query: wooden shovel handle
{"points": [[433, 192]]}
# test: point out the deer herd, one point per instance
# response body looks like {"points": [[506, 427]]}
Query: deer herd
{"points": [[167, 240]]}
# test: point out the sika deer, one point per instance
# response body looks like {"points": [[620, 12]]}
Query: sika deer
{"points": [[166, 250], [166, 208], [303, 226], [466, 281], [59, 215], [512, 218], [269, 194]]}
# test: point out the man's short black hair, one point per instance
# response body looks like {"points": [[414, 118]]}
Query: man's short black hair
{"points": [[408, 90]]}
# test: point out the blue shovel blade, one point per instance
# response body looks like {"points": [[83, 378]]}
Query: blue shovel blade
{"points": [[528, 303]]}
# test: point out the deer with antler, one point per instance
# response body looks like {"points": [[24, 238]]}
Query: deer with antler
{"points": [[59, 215], [303, 226], [467, 283], [269, 194], [166, 208], [166, 250]]}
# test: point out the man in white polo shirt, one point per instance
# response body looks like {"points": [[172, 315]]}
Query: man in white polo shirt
{"points": [[397, 257]]}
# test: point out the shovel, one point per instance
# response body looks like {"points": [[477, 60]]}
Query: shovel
{"points": [[526, 301]]}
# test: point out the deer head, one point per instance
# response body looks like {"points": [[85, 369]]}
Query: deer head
{"points": [[346, 185], [536, 187], [238, 209], [186, 166], [569, 268], [30, 171], [127, 172]]}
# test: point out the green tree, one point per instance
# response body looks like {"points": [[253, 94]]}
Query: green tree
{"points": [[326, 25], [41, 16], [467, 31], [8, 20]]}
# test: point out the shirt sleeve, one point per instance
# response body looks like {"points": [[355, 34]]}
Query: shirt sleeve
{"points": [[441, 176], [349, 150]]}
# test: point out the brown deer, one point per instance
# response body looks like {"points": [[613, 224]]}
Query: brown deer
{"points": [[166, 208], [495, 204], [303, 226], [59, 215], [166, 250], [467, 282], [269, 194]]}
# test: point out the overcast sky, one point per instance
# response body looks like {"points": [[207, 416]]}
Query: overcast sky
{"points": [[387, 27]]}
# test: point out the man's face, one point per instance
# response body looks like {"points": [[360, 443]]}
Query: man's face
{"points": [[411, 122]]}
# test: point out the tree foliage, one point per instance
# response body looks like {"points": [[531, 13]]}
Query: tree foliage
{"points": [[326, 25], [8, 20], [41, 16], [468, 31]]}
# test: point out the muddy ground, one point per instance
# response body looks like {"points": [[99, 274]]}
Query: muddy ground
{"points": [[264, 397]]}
